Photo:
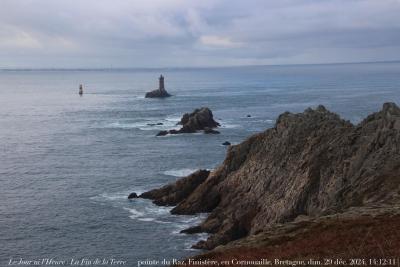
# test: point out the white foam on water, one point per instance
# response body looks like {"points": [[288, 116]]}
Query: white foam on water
{"points": [[118, 196], [173, 118], [146, 219], [230, 126], [148, 124], [110, 196], [180, 135], [195, 239], [186, 221], [144, 210], [180, 173], [165, 126], [157, 210], [134, 213], [125, 125]]}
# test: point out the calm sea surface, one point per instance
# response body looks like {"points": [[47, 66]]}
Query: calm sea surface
{"points": [[67, 163]]}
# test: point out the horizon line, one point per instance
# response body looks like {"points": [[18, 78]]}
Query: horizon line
{"points": [[185, 67]]}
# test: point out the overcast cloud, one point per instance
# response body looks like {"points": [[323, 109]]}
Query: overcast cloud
{"points": [[160, 33]]}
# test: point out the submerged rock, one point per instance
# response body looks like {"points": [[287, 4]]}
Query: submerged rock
{"points": [[310, 164], [226, 143], [132, 195], [199, 119], [192, 230], [210, 131], [155, 124], [162, 133]]}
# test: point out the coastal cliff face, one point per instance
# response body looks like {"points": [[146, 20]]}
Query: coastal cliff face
{"points": [[310, 164]]}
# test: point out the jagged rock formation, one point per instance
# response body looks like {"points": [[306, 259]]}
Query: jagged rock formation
{"points": [[174, 193], [199, 119], [160, 92], [310, 164]]}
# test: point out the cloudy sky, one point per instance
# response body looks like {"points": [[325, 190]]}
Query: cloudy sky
{"points": [[162, 33]]}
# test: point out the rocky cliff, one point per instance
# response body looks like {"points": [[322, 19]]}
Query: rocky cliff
{"points": [[310, 164]]}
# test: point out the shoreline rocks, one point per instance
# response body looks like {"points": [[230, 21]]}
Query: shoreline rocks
{"points": [[157, 94], [174, 193], [132, 195], [201, 119], [208, 130], [309, 164]]}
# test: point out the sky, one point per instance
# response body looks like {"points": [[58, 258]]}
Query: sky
{"points": [[196, 33]]}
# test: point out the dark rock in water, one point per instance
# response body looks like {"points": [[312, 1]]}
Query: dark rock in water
{"points": [[174, 193], [210, 131], [155, 124], [226, 143], [192, 230], [248, 116], [160, 92], [157, 94], [162, 133], [132, 195], [312, 163], [199, 119], [174, 131]]}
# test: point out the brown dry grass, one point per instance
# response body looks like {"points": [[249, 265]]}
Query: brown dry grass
{"points": [[362, 238]]}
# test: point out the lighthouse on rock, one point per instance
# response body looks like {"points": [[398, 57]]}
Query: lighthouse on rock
{"points": [[160, 92]]}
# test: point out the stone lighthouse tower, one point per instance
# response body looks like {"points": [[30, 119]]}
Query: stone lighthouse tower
{"points": [[161, 83], [160, 92]]}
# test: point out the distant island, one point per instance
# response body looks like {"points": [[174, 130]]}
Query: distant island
{"points": [[160, 92]]}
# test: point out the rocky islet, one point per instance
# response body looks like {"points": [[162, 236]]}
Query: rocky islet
{"points": [[200, 119]]}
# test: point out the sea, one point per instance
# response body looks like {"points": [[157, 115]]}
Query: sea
{"points": [[68, 162]]}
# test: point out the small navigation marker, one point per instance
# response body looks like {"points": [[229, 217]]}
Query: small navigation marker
{"points": [[80, 89]]}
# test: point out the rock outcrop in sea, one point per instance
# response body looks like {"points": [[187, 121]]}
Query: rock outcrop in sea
{"points": [[309, 165], [160, 92], [172, 194], [201, 119]]}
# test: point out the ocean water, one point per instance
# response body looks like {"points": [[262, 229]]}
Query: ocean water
{"points": [[67, 163]]}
